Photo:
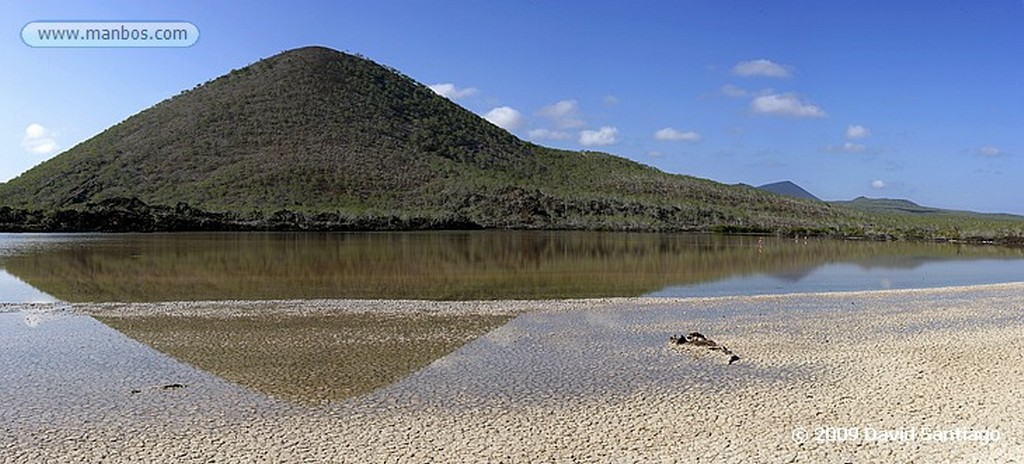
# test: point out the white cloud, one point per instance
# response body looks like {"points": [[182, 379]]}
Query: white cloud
{"points": [[848, 147], [35, 130], [547, 134], [763, 68], [785, 105], [449, 91], [610, 100], [505, 117], [669, 133], [560, 109], [564, 113], [990, 151], [857, 131], [878, 184], [603, 136], [655, 154], [852, 132], [39, 140]]}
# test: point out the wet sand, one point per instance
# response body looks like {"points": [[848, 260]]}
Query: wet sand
{"points": [[909, 375]]}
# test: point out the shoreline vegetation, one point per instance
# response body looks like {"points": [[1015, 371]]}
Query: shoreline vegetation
{"points": [[119, 215]]}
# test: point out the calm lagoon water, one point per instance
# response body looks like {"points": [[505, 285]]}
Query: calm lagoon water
{"points": [[472, 265], [43, 346], [849, 277]]}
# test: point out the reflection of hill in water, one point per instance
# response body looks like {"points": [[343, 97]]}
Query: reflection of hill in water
{"points": [[311, 358], [432, 265]]}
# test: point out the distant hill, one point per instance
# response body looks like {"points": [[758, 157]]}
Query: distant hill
{"points": [[789, 189], [316, 138], [886, 205], [902, 206]]}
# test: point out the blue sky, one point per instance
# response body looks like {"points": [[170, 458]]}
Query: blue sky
{"points": [[912, 99]]}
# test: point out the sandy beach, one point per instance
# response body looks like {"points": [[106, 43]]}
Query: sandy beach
{"points": [[893, 376]]}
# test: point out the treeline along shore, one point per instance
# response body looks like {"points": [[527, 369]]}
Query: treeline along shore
{"points": [[134, 215]]}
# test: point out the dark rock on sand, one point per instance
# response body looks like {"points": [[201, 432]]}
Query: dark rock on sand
{"points": [[696, 339], [170, 386]]}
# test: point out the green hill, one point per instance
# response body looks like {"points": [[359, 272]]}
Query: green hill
{"points": [[901, 206], [887, 205], [315, 131], [314, 138]]}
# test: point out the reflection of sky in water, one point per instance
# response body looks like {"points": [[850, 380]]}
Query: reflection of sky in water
{"points": [[73, 371], [13, 290], [840, 277]]}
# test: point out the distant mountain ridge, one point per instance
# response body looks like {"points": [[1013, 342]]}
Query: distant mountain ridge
{"points": [[789, 188], [903, 206], [881, 205], [890, 205]]}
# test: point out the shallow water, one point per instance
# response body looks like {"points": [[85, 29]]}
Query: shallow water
{"points": [[850, 277], [74, 368], [59, 369], [559, 379], [472, 265], [15, 290], [556, 357]]}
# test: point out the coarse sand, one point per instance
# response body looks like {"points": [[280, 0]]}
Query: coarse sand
{"points": [[892, 376]]}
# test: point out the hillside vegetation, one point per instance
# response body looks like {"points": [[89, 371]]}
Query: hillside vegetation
{"points": [[318, 139]]}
